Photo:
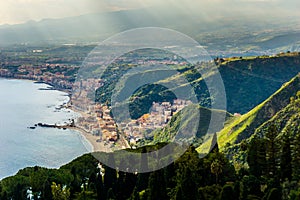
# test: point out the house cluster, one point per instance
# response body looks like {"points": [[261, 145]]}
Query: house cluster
{"points": [[159, 116], [96, 119], [53, 74]]}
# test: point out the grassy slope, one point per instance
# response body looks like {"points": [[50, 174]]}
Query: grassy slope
{"points": [[168, 133], [244, 126]]}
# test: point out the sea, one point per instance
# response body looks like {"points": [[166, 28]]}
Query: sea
{"points": [[22, 105]]}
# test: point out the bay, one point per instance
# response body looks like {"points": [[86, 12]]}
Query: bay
{"points": [[24, 104]]}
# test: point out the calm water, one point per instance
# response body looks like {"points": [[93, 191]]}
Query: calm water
{"points": [[22, 104]]}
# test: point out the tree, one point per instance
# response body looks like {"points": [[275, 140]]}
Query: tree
{"points": [[274, 194], [135, 195], [60, 193], [189, 170], [250, 185], [47, 194], [227, 193], [143, 178], [296, 157], [99, 186], [237, 190], [216, 169], [110, 174], [157, 186], [286, 159], [110, 194], [75, 183], [256, 157], [272, 149]]}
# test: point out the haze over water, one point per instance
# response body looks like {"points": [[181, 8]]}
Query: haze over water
{"points": [[22, 105]]}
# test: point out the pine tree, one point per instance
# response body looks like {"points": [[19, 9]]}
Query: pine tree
{"points": [[272, 149], [286, 158], [99, 186], [157, 186], [216, 168], [130, 182], [110, 174], [143, 178], [256, 157], [296, 157], [47, 194], [75, 184]]}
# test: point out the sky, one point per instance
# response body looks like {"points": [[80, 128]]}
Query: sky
{"points": [[20, 11]]}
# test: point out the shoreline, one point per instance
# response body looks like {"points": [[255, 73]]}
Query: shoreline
{"points": [[86, 137], [91, 140]]}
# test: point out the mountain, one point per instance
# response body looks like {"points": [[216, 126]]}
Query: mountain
{"points": [[216, 28]]}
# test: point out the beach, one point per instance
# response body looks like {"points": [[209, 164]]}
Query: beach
{"points": [[92, 140]]}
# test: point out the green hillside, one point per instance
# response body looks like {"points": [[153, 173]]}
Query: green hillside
{"points": [[262, 161], [242, 127], [248, 81], [185, 121]]}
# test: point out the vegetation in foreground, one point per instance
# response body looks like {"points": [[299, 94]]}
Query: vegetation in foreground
{"points": [[271, 171]]}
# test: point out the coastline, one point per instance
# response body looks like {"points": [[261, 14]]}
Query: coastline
{"points": [[91, 140], [26, 147], [88, 140], [86, 136]]}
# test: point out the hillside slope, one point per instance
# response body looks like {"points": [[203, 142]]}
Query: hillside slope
{"points": [[248, 82], [187, 119], [276, 108]]}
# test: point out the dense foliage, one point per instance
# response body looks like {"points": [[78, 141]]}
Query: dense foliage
{"points": [[272, 174]]}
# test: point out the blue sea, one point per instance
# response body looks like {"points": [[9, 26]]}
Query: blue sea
{"points": [[23, 104]]}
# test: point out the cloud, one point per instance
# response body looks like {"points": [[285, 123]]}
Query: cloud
{"points": [[18, 11]]}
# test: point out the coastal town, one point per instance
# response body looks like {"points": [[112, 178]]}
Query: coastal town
{"points": [[95, 122], [59, 76], [96, 118]]}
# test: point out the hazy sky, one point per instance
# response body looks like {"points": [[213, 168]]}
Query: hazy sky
{"points": [[18, 11]]}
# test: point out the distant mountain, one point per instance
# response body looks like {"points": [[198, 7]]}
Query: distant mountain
{"points": [[216, 29]]}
